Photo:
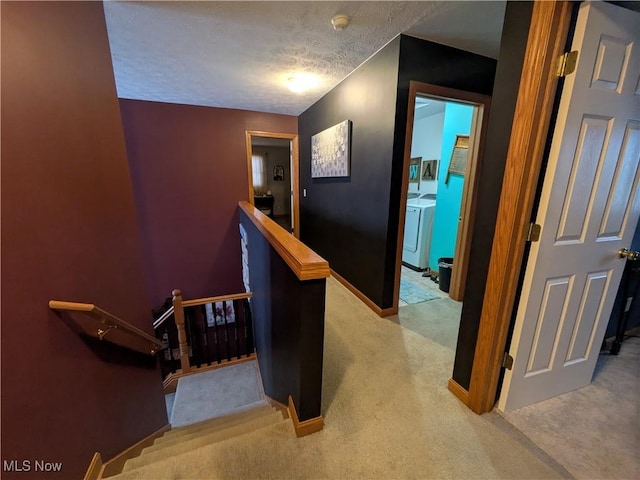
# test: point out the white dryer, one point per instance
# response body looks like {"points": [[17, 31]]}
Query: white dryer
{"points": [[418, 226]]}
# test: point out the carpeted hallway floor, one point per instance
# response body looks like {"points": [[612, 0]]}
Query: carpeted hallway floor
{"points": [[388, 415]]}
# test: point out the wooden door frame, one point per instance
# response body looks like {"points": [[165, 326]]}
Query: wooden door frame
{"points": [[295, 169], [469, 193], [546, 41]]}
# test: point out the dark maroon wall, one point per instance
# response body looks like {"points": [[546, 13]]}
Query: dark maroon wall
{"points": [[69, 232], [189, 170]]}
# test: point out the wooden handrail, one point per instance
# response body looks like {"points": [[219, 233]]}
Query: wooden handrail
{"points": [[223, 298], [109, 327], [178, 312], [304, 262]]}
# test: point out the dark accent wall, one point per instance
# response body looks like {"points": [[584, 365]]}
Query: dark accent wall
{"points": [[69, 232], [353, 222], [288, 322], [189, 170], [505, 93], [345, 220]]}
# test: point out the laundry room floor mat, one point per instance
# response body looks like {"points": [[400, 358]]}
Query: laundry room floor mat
{"points": [[413, 293]]}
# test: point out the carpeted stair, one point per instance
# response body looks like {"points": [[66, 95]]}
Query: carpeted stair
{"points": [[170, 451], [210, 412]]}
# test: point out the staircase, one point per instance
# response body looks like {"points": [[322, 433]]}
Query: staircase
{"points": [[211, 413], [176, 453]]}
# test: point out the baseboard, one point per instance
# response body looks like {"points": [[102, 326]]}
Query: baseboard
{"points": [[170, 383], [458, 391], [94, 472], [382, 312], [116, 464], [306, 427]]}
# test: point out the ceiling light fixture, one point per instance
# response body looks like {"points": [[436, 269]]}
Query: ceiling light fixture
{"points": [[302, 82], [340, 22]]}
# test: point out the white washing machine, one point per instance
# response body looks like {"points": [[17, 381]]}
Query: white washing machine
{"points": [[418, 225]]}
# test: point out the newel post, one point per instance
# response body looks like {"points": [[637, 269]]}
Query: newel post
{"points": [[178, 313]]}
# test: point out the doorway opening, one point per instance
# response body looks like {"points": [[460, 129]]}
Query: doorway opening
{"points": [[272, 166], [442, 157]]}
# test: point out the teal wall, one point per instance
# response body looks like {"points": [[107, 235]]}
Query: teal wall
{"points": [[457, 121]]}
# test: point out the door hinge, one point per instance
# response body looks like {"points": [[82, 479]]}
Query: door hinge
{"points": [[533, 235], [507, 361], [567, 63]]}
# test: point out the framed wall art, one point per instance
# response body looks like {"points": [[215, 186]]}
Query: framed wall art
{"points": [[414, 169], [331, 151], [429, 170], [278, 173]]}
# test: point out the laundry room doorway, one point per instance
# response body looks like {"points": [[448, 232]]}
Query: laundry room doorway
{"points": [[442, 158]]}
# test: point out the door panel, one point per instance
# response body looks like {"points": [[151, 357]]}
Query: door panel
{"points": [[588, 210]]}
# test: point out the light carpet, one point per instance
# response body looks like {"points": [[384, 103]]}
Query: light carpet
{"points": [[411, 292], [594, 432], [208, 394], [388, 415]]}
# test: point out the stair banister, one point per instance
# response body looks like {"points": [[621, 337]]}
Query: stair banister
{"points": [[182, 334], [103, 323]]}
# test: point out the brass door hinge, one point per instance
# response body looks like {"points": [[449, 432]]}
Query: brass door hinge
{"points": [[533, 235], [507, 361], [567, 63]]}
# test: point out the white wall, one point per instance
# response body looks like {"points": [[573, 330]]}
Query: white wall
{"points": [[427, 143]]}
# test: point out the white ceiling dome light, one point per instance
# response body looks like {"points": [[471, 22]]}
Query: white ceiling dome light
{"points": [[340, 22], [302, 82]]}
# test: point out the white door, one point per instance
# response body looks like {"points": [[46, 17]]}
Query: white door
{"points": [[588, 211]]}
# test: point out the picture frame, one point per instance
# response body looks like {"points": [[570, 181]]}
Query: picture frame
{"points": [[278, 173], [429, 170], [414, 169], [331, 151]]}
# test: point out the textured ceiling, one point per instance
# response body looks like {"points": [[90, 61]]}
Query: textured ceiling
{"points": [[236, 54]]}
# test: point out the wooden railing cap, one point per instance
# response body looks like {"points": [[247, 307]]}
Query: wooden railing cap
{"points": [[304, 262]]}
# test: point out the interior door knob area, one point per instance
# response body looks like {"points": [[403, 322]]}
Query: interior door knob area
{"points": [[632, 255]]}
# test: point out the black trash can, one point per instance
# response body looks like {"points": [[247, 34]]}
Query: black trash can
{"points": [[445, 265]]}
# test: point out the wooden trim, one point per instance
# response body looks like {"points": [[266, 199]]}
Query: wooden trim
{"points": [[469, 194], [249, 165], [171, 381], [94, 472], [116, 464], [306, 427], [295, 170], [404, 190], [455, 388], [222, 298], [304, 262], [105, 323], [479, 127], [295, 186], [382, 312], [547, 38]]}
